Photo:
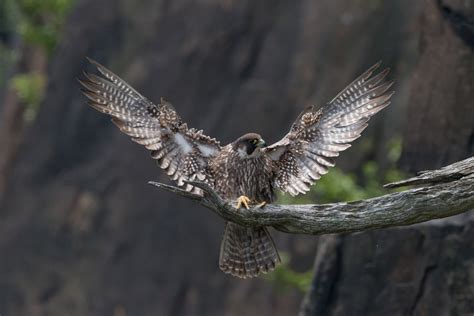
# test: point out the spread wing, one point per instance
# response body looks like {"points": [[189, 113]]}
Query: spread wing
{"points": [[182, 152], [317, 136]]}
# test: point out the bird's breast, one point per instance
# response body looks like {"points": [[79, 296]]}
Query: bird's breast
{"points": [[249, 177]]}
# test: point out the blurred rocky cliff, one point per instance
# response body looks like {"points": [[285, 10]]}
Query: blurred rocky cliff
{"points": [[81, 232]]}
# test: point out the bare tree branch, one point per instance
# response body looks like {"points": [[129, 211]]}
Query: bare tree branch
{"points": [[449, 173], [452, 193]]}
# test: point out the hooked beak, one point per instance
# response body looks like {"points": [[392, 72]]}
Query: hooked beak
{"points": [[261, 143]]}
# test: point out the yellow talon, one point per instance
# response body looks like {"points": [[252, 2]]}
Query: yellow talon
{"points": [[242, 200], [260, 205]]}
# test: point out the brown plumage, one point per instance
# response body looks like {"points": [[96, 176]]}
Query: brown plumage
{"points": [[245, 167]]}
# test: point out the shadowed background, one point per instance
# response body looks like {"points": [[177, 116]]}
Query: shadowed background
{"points": [[81, 232]]}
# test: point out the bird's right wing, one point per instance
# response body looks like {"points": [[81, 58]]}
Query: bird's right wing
{"points": [[182, 152]]}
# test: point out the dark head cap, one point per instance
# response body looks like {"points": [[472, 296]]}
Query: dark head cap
{"points": [[249, 142]]}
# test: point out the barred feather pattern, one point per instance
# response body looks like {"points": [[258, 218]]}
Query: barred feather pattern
{"points": [[318, 135], [292, 164], [237, 176], [247, 251], [183, 152]]}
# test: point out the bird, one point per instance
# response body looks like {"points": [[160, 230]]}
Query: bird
{"points": [[247, 171]]}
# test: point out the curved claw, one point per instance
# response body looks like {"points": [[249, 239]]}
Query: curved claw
{"points": [[261, 205], [242, 200]]}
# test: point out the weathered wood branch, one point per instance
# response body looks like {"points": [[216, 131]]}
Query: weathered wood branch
{"points": [[449, 173], [451, 192]]}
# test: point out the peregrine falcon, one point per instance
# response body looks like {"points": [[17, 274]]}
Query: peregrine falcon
{"points": [[246, 171]]}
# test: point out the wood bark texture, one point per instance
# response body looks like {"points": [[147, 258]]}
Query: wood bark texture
{"points": [[451, 194]]}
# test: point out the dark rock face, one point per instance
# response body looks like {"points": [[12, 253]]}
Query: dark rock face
{"points": [[424, 269], [420, 270], [442, 88], [81, 233]]}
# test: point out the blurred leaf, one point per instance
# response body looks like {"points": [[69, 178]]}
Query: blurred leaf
{"points": [[8, 17], [286, 278], [42, 21], [338, 186], [7, 58], [394, 149], [335, 186], [38, 23], [30, 90]]}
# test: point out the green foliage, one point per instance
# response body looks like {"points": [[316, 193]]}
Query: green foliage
{"points": [[332, 187], [7, 57], [30, 89], [42, 20], [337, 186], [286, 278], [38, 23], [394, 150], [8, 16]]}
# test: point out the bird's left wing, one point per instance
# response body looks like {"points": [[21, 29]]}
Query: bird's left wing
{"points": [[317, 136], [181, 151]]}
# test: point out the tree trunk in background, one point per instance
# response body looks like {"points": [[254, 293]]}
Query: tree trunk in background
{"points": [[81, 233], [423, 269], [31, 60]]}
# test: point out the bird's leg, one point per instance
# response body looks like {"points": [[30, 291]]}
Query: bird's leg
{"points": [[242, 200]]}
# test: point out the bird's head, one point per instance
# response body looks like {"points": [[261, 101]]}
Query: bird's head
{"points": [[249, 145]]}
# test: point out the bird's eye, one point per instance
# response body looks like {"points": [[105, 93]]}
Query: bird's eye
{"points": [[254, 141]]}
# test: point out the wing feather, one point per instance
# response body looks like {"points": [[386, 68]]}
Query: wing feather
{"points": [[317, 136], [182, 152]]}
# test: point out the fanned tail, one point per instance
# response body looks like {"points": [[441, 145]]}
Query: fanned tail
{"points": [[247, 251]]}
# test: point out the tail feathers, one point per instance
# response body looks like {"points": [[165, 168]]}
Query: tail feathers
{"points": [[247, 251]]}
